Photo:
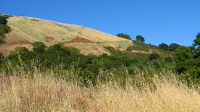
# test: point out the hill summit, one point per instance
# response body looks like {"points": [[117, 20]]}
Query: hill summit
{"points": [[26, 30]]}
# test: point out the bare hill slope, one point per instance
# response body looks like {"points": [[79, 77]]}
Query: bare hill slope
{"points": [[26, 30]]}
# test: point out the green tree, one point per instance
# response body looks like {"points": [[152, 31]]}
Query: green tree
{"points": [[173, 46], [182, 55], [163, 46], [139, 38], [196, 46], [3, 19], [38, 47], [124, 36], [4, 28]]}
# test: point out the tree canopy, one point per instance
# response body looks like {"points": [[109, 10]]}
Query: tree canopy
{"points": [[187, 59], [196, 46], [163, 46], [139, 38], [3, 19], [173, 46], [124, 36]]}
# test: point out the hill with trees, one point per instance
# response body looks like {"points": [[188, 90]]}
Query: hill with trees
{"points": [[90, 51]]}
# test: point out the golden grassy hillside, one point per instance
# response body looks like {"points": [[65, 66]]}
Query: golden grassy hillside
{"points": [[26, 30]]}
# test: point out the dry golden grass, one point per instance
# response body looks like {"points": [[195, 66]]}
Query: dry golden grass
{"points": [[41, 93], [26, 30]]}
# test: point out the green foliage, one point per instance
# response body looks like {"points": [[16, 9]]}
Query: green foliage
{"points": [[1, 41], [188, 61], [3, 19], [168, 59], [1, 58], [124, 36], [141, 46], [139, 38], [197, 40], [4, 28], [21, 49], [38, 47], [196, 46], [183, 53], [163, 46], [173, 46], [153, 56]]}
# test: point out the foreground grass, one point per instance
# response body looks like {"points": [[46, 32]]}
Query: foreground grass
{"points": [[43, 92]]}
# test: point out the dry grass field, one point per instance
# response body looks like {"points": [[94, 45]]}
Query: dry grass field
{"points": [[26, 30], [45, 93]]}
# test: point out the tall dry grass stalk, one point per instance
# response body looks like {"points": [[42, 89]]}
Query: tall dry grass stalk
{"points": [[50, 94]]}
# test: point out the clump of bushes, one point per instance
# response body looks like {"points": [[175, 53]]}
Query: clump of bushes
{"points": [[1, 41], [4, 28], [153, 56]]}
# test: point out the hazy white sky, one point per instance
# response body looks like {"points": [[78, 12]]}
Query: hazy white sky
{"points": [[158, 21]]}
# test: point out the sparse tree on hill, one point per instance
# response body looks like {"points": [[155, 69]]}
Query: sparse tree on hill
{"points": [[140, 38], [124, 36]]}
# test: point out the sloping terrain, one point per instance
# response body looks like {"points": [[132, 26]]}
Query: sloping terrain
{"points": [[26, 30]]}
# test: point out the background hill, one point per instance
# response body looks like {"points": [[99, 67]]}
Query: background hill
{"points": [[26, 30]]}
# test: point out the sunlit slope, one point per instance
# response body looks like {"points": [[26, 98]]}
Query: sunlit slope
{"points": [[26, 30]]}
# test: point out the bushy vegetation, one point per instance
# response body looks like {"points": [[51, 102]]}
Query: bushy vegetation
{"points": [[141, 46], [163, 46], [154, 56], [124, 36], [4, 28], [188, 60], [171, 47], [90, 66]]}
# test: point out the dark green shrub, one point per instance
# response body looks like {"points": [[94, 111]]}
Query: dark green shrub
{"points": [[38, 47], [168, 59], [4, 28], [163, 46], [1, 58], [153, 56], [1, 41], [3, 19], [124, 36]]}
